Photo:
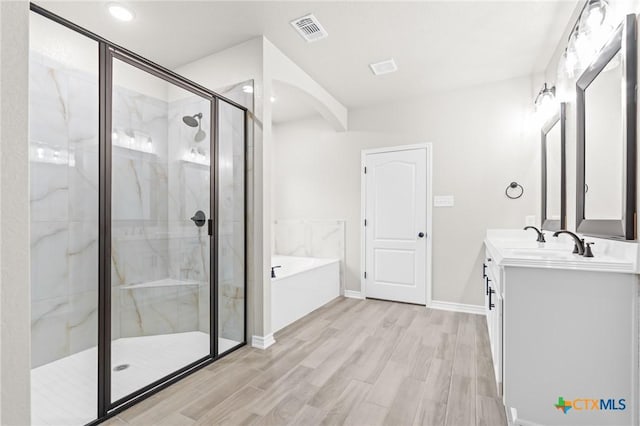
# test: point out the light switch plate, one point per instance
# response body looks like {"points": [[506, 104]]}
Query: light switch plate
{"points": [[443, 201]]}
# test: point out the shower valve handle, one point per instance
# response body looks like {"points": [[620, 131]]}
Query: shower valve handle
{"points": [[199, 218]]}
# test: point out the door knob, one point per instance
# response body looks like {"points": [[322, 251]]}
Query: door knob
{"points": [[199, 218], [420, 234]]}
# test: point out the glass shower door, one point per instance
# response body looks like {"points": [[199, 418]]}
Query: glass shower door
{"points": [[161, 226]]}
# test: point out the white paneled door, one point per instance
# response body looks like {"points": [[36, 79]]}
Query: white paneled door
{"points": [[395, 212]]}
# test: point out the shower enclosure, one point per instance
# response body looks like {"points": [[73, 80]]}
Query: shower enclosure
{"points": [[137, 225]]}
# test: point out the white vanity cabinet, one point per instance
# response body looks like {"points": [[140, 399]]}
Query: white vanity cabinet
{"points": [[563, 326]]}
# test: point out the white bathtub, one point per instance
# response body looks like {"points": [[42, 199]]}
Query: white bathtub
{"points": [[302, 285]]}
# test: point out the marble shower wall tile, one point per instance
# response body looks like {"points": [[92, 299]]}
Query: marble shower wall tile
{"points": [[49, 261], [231, 273], [49, 186], [49, 331], [64, 209], [204, 309], [48, 95], [231, 306], [150, 311], [82, 321], [311, 238], [82, 256], [139, 257]]}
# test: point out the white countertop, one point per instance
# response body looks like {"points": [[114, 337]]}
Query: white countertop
{"points": [[519, 248]]}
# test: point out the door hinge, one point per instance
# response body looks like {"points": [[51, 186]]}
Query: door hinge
{"points": [[365, 222], [365, 170], [365, 275]]}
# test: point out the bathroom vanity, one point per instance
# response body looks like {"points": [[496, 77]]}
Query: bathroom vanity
{"points": [[563, 326]]}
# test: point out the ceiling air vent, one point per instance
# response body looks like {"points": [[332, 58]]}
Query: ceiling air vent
{"points": [[384, 67], [309, 28]]}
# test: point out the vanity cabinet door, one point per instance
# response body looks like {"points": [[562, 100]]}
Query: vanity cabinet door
{"points": [[497, 346], [493, 304]]}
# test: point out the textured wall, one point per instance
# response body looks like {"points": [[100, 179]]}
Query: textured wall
{"points": [[14, 213]]}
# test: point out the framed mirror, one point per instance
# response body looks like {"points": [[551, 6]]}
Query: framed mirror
{"points": [[606, 139], [554, 193]]}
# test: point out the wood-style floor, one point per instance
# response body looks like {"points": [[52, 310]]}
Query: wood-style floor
{"points": [[354, 362]]}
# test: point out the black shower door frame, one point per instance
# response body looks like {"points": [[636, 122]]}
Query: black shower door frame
{"points": [[108, 52], [106, 58]]}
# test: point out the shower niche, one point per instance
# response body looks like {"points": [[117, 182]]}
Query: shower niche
{"points": [[137, 222]]}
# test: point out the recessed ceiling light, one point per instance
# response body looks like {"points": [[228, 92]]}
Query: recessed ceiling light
{"points": [[120, 12], [247, 89], [272, 99]]}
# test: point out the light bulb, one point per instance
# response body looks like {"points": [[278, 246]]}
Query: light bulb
{"points": [[570, 62], [595, 18], [545, 104]]}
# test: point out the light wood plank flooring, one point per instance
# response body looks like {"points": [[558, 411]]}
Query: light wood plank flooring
{"points": [[353, 362]]}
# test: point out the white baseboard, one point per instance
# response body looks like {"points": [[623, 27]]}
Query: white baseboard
{"points": [[353, 294], [261, 342], [457, 307]]}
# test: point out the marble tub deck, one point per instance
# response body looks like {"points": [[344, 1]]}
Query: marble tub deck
{"points": [[64, 392]]}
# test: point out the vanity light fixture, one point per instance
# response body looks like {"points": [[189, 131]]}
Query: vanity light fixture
{"points": [[545, 103], [590, 32], [595, 13], [120, 12]]}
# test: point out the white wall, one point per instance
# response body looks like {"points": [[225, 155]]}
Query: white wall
{"points": [[281, 68], [14, 214], [483, 138]]}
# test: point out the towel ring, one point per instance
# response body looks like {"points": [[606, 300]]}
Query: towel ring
{"points": [[514, 185]]}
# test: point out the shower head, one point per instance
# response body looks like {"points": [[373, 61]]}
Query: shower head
{"points": [[190, 120]]}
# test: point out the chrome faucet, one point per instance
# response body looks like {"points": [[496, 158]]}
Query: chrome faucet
{"points": [[579, 243], [540, 234]]}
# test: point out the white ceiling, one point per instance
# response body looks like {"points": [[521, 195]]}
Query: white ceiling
{"points": [[437, 45]]}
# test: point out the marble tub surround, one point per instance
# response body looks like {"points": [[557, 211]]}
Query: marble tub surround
{"points": [[517, 248], [311, 238]]}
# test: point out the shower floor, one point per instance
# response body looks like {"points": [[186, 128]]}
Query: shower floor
{"points": [[64, 392]]}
